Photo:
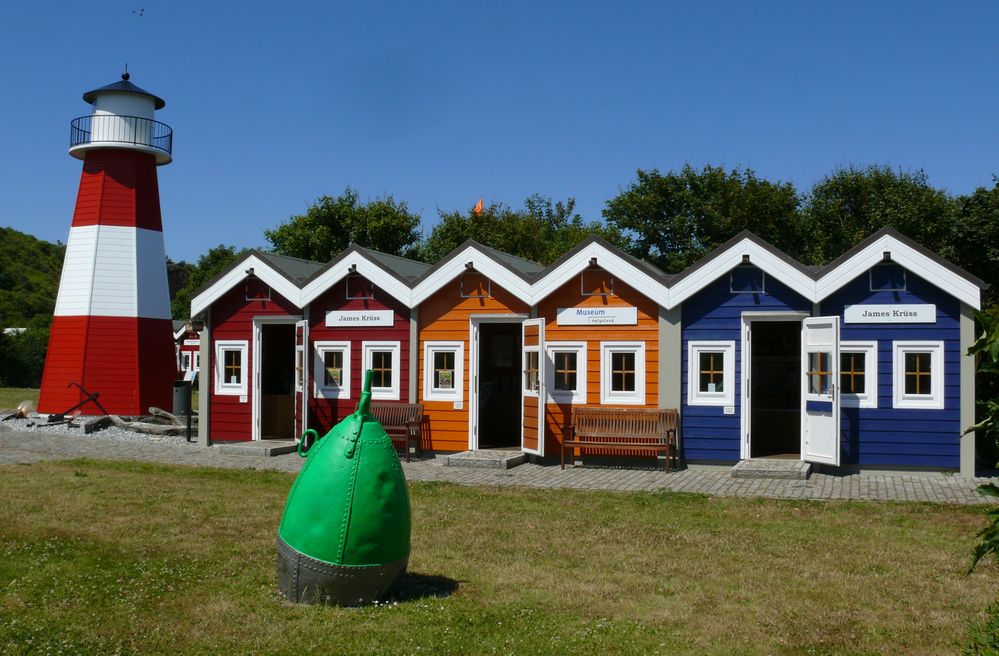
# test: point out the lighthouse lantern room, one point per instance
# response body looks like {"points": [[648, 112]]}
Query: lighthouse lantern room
{"points": [[111, 330]]}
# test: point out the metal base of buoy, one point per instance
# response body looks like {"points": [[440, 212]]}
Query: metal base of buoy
{"points": [[303, 579]]}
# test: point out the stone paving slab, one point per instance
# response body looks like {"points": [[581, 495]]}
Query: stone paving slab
{"points": [[17, 447], [772, 468]]}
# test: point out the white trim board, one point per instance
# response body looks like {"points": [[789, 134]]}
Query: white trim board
{"points": [[261, 270], [395, 288], [621, 268], [481, 262]]}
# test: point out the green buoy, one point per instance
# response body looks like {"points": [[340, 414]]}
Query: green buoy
{"points": [[345, 535]]}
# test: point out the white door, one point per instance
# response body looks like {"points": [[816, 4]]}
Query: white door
{"points": [[820, 430], [301, 411], [532, 399]]}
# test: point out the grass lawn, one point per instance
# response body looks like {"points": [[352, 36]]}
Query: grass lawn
{"points": [[11, 396], [99, 557]]}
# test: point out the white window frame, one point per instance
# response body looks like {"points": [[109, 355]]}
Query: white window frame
{"points": [[223, 388], [384, 393], [185, 361], [195, 360], [610, 397], [319, 350], [578, 395], [457, 392], [935, 399], [869, 398], [694, 394]]}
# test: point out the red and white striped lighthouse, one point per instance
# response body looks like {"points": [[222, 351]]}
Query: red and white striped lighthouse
{"points": [[111, 332]]}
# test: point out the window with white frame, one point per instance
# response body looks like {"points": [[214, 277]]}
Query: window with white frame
{"points": [[443, 364], [231, 367], [185, 361], [383, 358], [622, 373], [711, 372], [331, 372], [858, 374], [918, 374], [196, 361], [565, 376]]}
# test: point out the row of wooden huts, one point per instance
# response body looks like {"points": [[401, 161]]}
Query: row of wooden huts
{"points": [[859, 362]]}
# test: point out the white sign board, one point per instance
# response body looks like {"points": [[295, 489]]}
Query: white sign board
{"points": [[350, 318], [192, 342], [894, 313], [591, 316]]}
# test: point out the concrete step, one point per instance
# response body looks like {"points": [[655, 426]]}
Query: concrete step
{"points": [[770, 468], [486, 459], [258, 448]]}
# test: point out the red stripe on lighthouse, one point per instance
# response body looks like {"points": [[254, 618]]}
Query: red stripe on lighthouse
{"points": [[119, 188]]}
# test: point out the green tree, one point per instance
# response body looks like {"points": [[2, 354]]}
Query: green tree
{"points": [[331, 224], [207, 267], [29, 277], [977, 224], [847, 206], [542, 231], [675, 218]]}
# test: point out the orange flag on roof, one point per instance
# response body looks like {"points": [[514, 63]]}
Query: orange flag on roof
{"points": [[477, 210]]}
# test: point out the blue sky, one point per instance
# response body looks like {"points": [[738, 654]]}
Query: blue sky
{"points": [[437, 103]]}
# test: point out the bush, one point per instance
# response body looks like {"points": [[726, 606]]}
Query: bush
{"points": [[22, 357]]}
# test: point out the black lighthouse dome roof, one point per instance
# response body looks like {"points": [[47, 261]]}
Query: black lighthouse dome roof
{"points": [[123, 86]]}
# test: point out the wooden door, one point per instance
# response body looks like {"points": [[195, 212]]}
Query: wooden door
{"points": [[532, 432]]}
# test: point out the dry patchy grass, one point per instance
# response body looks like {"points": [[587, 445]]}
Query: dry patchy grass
{"points": [[11, 396], [99, 557]]}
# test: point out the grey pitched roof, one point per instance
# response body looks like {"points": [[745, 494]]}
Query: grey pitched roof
{"points": [[294, 269], [525, 269], [123, 86], [759, 241], [926, 252], [401, 268]]}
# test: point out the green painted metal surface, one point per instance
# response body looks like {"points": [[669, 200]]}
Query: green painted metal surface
{"points": [[349, 504]]}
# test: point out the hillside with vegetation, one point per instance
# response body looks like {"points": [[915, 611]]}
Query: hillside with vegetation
{"points": [[29, 278]]}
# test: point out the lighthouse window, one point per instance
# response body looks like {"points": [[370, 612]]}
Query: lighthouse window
{"points": [[383, 359], [711, 372], [858, 374], [442, 364], [230, 363], [566, 372], [622, 373], [918, 376], [331, 372]]}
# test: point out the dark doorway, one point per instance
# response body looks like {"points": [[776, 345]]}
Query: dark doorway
{"points": [[277, 381], [499, 385], [775, 389]]}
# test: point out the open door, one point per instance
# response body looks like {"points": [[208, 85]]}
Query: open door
{"points": [[532, 431], [301, 377], [820, 429]]}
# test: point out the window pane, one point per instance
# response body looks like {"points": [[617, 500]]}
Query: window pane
{"points": [[232, 367], [622, 372], [852, 367], [333, 368], [565, 371], [818, 372], [444, 370], [531, 371], [917, 373], [712, 371], [381, 366]]}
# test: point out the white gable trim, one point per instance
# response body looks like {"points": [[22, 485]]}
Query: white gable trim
{"points": [[367, 268], [261, 270], [482, 263], [608, 260], [731, 258], [909, 259]]}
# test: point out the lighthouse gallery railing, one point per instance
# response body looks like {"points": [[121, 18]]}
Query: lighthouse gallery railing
{"points": [[108, 128]]}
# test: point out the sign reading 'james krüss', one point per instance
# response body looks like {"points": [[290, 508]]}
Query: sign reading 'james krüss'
{"points": [[349, 318], [895, 313], [591, 316]]}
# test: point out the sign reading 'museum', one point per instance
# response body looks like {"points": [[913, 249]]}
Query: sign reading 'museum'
{"points": [[589, 316], [890, 313], [342, 318]]}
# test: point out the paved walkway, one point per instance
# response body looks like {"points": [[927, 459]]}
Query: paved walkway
{"points": [[27, 447]]}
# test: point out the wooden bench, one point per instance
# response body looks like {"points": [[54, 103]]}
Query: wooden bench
{"points": [[402, 421], [624, 429]]}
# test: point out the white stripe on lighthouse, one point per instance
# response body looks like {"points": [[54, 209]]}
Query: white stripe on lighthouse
{"points": [[114, 271]]}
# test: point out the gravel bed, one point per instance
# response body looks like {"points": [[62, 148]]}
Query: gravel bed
{"points": [[112, 433]]}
